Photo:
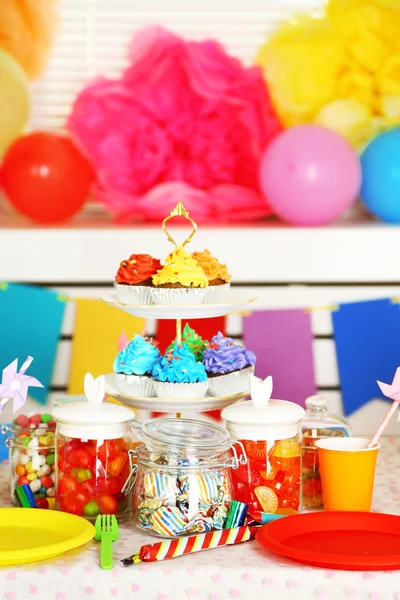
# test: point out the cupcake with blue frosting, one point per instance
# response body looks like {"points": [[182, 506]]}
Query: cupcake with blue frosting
{"points": [[133, 367], [179, 375], [229, 366]]}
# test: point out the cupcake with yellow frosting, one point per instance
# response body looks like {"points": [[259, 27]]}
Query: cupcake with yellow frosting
{"points": [[217, 275], [180, 281]]}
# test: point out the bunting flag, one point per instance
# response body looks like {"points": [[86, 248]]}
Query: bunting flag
{"points": [[97, 333], [206, 328], [282, 342], [367, 337], [30, 324]]}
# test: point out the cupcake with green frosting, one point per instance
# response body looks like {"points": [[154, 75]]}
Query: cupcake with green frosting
{"points": [[193, 341], [179, 375]]}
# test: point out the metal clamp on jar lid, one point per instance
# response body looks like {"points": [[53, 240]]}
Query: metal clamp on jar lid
{"points": [[262, 418], [184, 445], [94, 419]]}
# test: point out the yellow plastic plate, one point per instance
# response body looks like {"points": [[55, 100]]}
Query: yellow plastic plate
{"points": [[31, 534]]}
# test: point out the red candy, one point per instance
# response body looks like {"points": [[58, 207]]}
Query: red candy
{"points": [[107, 505], [67, 485], [35, 419], [22, 421], [109, 466], [270, 481], [46, 481]]}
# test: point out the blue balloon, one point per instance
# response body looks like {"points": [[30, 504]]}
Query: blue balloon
{"points": [[380, 187]]}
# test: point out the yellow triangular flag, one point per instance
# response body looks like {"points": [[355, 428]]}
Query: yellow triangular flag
{"points": [[97, 330]]}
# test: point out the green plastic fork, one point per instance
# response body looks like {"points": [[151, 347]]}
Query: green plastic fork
{"points": [[106, 532]]}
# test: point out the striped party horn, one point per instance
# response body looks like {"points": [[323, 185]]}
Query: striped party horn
{"points": [[193, 543]]}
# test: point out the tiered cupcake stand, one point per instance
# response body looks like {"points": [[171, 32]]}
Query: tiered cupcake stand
{"points": [[177, 312]]}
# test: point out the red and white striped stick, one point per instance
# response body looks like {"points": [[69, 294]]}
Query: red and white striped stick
{"points": [[193, 543]]}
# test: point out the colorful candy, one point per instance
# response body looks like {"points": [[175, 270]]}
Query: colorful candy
{"points": [[32, 454], [172, 503], [194, 543], [271, 479], [91, 476], [237, 515]]}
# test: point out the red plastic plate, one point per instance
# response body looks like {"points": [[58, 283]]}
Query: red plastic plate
{"points": [[356, 541]]}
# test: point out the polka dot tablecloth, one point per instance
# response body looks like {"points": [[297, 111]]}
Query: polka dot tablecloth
{"points": [[243, 572]]}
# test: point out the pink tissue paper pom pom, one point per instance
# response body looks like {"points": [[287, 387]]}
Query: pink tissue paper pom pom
{"points": [[186, 122]]}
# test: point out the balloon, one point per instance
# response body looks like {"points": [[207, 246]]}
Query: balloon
{"points": [[310, 175], [45, 177], [14, 100], [380, 189]]}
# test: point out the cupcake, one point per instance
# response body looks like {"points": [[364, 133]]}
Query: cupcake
{"points": [[228, 365], [133, 367], [178, 375], [217, 275], [133, 280], [193, 341], [180, 281]]}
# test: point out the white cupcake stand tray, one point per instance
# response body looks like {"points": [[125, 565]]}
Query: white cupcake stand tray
{"points": [[177, 312]]}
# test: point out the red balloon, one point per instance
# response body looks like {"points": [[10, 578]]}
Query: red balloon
{"points": [[45, 177]]}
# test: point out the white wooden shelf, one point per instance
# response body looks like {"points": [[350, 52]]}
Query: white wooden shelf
{"points": [[263, 254]]}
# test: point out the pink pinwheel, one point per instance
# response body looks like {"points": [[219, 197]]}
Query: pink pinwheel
{"points": [[15, 384], [392, 391]]}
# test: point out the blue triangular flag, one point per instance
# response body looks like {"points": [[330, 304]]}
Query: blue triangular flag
{"points": [[367, 337], [30, 325]]}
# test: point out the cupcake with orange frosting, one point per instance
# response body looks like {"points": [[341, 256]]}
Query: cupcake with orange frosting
{"points": [[133, 280], [180, 281], [217, 275]]}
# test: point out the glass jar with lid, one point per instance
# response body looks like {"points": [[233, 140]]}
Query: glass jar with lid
{"points": [[93, 439], [182, 479], [317, 422], [270, 432], [32, 456]]}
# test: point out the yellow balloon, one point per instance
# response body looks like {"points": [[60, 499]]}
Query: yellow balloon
{"points": [[14, 100]]}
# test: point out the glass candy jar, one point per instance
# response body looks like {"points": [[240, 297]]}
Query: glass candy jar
{"points": [[92, 444], [270, 433], [32, 456], [183, 477], [317, 422]]}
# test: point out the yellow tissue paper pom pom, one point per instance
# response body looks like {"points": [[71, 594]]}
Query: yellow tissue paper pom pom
{"points": [[349, 118], [389, 76], [27, 29], [301, 65], [357, 85]]}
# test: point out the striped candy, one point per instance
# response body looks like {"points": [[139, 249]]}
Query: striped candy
{"points": [[160, 484], [168, 521], [195, 543]]}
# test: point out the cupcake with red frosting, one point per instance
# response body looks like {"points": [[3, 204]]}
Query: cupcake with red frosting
{"points": [[133, 280]]}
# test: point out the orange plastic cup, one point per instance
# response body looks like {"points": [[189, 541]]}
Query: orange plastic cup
{"points": [[347, 468]]}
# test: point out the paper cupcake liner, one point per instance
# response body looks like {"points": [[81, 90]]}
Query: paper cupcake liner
{"points": [[177, 295], [165, 389], [133, 294], [231, 383], [216, 293], [134, 385]]}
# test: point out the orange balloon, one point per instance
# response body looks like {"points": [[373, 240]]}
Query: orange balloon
{"points": [[45, 177], [27, 29]]}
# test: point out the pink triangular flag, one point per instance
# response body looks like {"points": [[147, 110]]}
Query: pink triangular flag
{"points": [[123, 341]]}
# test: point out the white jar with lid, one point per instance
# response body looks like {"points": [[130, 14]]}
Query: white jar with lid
{"points": [[270, 432], [93, 439]]}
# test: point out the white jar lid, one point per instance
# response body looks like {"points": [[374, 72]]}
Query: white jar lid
{"points": [[262, 418], [93, 419]]}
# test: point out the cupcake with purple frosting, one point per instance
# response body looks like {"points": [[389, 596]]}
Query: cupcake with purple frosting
{"points": [[228, 365]]}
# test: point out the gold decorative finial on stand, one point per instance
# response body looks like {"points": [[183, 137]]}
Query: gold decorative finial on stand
{"points": [[179, 211]]}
